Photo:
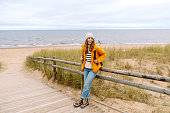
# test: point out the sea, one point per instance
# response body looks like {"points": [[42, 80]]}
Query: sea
{"points": [[35, 38]]}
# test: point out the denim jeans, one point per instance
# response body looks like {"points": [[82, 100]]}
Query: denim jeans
{"points": [[88, 78]]}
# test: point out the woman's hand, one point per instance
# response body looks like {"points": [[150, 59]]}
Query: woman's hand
{"points": [[82, 59], [95, 61]]}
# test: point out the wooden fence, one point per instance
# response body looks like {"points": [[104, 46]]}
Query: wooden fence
{"points": [[134, 74]]}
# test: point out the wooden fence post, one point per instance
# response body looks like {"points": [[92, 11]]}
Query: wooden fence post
{"points": [[44, 66], [54, 70], [32, 60], [38, 64]]}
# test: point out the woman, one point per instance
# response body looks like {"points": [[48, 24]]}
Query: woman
{"points": [[90, 66]]}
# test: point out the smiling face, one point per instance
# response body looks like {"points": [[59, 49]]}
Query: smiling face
{"points": [[89, 44], [90, 40]]}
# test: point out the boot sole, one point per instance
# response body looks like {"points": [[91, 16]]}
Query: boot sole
{"points": [[84, 106]]}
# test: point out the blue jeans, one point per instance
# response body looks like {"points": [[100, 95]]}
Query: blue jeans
{"points": [[88, 78]]}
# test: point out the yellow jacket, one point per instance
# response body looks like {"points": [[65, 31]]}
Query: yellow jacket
{"points": [[100, 56]]}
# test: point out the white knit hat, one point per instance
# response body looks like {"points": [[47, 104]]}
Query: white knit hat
{"points": [[89, 35]]}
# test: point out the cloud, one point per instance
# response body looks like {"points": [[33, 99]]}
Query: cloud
{"points": [[85, 14]]}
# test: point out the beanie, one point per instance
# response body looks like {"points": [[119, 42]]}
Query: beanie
{"points": [[89, 35]]}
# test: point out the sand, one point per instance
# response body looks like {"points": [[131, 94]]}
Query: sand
{"points": [[9, 56], [12, 60]]}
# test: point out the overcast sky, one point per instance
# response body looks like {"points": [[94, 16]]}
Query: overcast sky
{"points": [[84, 14]]}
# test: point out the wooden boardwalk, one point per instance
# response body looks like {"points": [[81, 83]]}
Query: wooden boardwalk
{"points": [[19, 93]]}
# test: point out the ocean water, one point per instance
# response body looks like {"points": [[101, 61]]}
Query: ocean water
{"points": [[29, 38]]}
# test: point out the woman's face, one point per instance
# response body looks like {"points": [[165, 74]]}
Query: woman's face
{"points": [[90, 40]]}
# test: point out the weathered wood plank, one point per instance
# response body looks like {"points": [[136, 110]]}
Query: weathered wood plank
{"points": [[151, 88], [134, 74]]}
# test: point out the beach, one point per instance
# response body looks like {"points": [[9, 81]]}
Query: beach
{"points": [[17, 56], [12, 60]]}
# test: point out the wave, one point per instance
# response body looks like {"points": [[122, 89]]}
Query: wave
{"points": [[65, 44]]}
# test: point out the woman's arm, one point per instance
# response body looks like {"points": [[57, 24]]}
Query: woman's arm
{"points": [[102, 54], [82, 54]]}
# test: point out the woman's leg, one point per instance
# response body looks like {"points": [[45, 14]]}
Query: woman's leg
{"points": [[86, 71], [80, 102], [87, 84]]}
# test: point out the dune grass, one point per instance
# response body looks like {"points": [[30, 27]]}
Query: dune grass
{"points": [[161, 54], [63, 77], [153, 54], [116, 58], [0, 65]]}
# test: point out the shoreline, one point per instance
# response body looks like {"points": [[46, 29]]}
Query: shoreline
{"points": [[40, 47], [102, 45]]}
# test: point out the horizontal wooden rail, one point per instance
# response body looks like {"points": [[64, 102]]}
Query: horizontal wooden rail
{"points": [[151, 88], [140, 75], [134, 74]]}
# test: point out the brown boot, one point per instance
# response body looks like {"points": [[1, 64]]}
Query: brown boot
{"points": [[85, 103], [78, 103]]}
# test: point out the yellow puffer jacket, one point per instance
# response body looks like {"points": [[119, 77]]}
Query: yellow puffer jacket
{"points": [[100, 56]]}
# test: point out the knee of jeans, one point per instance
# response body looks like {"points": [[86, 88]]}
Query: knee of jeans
{"points": [[87, 86]]}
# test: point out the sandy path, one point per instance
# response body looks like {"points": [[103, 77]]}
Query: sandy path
{"points": [[22, 93]]}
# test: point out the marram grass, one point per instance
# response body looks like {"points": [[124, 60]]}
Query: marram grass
{"points": [[117, 59], [159, 53]]}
